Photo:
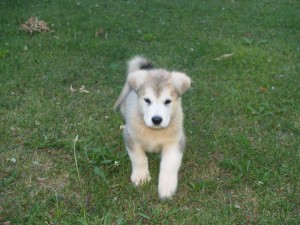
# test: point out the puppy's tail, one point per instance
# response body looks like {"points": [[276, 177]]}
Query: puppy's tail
{"points": [[124, 93], [139, 63], [135, 64]]}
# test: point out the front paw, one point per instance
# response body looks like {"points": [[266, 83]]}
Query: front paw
{"points": [[167, 186], [140, 177]]}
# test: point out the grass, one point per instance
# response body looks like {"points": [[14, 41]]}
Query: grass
{"points": [[242, 122]]}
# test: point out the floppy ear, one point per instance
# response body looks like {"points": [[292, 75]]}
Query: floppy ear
{"points": [[136, 79], [134, 82], [181, 82]]}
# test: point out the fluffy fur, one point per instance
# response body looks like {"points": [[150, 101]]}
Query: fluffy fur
{"points": [[150, 103]]}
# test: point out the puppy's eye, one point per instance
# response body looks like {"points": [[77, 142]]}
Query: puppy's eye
{"points": [[147, 100], [168, 101]]}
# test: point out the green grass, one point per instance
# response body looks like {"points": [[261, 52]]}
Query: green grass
{"points": [[242, 114]]}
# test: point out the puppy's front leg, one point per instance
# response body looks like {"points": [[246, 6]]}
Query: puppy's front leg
{"points": [[169, 166], [139, 163]]}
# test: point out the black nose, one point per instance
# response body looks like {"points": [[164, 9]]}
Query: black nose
{"points": [[156, 120]]}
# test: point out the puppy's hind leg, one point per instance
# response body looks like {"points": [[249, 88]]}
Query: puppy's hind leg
{"points": [[139, 162]]}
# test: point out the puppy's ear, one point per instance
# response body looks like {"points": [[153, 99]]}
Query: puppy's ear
{"points": [[181, 82], [136, 79]]}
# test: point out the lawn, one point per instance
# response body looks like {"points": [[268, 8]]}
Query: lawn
{"points": [[62, 156]]}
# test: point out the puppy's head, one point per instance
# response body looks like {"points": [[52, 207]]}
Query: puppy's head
{"points": [[159, 93]]}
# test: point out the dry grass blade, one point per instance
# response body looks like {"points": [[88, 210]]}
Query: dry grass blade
{"points": [[225, 56]]}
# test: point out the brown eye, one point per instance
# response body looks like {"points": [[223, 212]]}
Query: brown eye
{"points": [[147, 100], [168, 101]]}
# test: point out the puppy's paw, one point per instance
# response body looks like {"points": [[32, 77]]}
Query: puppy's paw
{"points": [[167, 186], [140, 177]]}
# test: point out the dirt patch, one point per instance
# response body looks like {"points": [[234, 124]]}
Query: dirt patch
{"points": [[33, 25]]}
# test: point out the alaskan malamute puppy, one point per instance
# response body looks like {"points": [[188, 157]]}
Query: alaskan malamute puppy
{"points": [[151, 105]]}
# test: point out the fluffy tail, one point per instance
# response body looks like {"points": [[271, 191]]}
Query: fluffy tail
{"points": [[135, 64], [139, 63]]}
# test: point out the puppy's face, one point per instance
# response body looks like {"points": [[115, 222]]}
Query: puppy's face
{"points": [[157, 108], [159, 94]]}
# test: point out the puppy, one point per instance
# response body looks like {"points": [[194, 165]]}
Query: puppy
{"points": [[150, 103]]}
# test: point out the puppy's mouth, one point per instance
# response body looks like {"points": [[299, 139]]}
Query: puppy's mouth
{"points": [[154, 126], [157, 127]]}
